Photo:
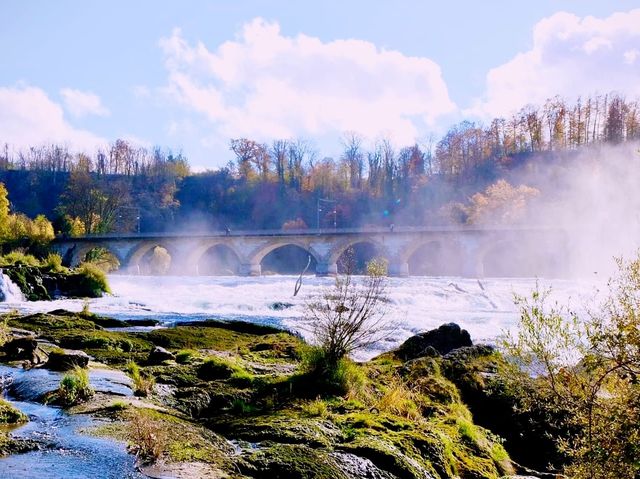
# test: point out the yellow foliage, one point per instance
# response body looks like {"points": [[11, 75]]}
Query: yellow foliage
{"points": [[500, 203]]}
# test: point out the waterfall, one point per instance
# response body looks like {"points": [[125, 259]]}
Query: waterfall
{"points": [[9, 291]]}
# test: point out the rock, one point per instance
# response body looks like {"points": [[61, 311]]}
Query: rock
{"points": [[469, 352], [443, 340], [10, 414], [280, 306], [66, 360], [21, 348], [159, 355]]}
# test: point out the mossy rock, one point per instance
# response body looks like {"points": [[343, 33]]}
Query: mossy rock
{"points": [[280, 427], [101, 321], [38, 283], [44, 323], [10, 415], [291, 461]]}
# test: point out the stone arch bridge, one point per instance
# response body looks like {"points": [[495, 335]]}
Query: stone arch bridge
{"points": [[471, 249]]}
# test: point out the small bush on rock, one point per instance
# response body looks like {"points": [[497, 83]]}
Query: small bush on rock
{"points": [[74, 387]]}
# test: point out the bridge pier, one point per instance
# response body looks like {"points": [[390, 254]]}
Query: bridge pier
{"points": [[250, 269], [326, 269], [399, 269]]}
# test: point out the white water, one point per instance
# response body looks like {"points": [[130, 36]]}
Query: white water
{"points": [[418, 303], [9, 291]]}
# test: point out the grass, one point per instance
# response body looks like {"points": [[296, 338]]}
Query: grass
{"points": [[143, 384], [186, 356], [74, 388], [316, 408], [399, 400], [216, 367], [344, 378], [95, 278]]}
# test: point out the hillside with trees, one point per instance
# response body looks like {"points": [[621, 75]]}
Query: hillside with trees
{"points": [[465, 177]]}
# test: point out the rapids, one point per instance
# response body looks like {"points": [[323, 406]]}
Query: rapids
{"points": [[485, 308]]}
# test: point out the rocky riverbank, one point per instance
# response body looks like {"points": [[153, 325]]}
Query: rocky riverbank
{"points": [[42, 283], [232, 399]]}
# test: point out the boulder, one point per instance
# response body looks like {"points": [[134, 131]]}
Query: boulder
{"points": [[159, 355], [21, 348], [443, 340], [66, 360]]}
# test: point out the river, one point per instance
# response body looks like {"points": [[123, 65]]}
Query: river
{"points": [[485, 308]]}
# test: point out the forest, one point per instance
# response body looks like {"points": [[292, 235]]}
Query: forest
{"points": [[465, 177]]}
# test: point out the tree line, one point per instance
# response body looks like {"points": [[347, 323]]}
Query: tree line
{"points": [[268, 185]]}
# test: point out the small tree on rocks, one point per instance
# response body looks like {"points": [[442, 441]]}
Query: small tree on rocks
{"points": [[351, 315]]}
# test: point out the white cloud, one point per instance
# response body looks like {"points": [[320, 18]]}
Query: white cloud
{"points": [[571, 56], [264, 85], [28, 117], [82, 103]]}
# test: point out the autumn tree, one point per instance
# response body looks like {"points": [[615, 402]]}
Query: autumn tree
{"points": [[583, 371], [500, 203]]}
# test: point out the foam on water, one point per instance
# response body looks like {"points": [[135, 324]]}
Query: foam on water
{"points": [[483, 307]]}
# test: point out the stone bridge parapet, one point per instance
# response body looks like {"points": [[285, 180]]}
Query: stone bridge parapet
{"points": [[466, 247]]}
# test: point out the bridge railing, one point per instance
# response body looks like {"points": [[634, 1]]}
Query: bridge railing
{"points": [[308, 232]]}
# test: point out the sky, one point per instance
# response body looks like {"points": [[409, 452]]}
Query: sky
{"points": [[190, 76]]}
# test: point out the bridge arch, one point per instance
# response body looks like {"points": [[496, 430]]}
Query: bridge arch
{"points": [[434, 257], [137, 254], [82, 249], [256, 256], [371, 249], [196, 258]]}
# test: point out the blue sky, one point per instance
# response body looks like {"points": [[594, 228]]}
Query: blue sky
{"points": [[155, 72]]}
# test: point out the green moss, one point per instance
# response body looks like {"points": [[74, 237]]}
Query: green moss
{"points": [[287, 461], [11, 415], [216, 367], [186, 356], [48, 323]]}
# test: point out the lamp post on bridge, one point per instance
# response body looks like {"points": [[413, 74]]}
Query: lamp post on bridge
{"points": [[137, 213], [319, 209]]}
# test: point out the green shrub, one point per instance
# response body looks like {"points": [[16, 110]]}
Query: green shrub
{"points": [[216, 367], [96, 278], [18, 257], [143, 384], [74, 387], [343, 377], [53, 262]]}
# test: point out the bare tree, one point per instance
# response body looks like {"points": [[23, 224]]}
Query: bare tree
{"points": [[351, 315]]}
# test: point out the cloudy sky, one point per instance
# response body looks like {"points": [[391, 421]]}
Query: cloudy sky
{"points": [[192, 75]]}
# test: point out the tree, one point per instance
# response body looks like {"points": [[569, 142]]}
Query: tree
{"points": [[500, 203], [95, 204], [584, 371], [351, 315]]}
